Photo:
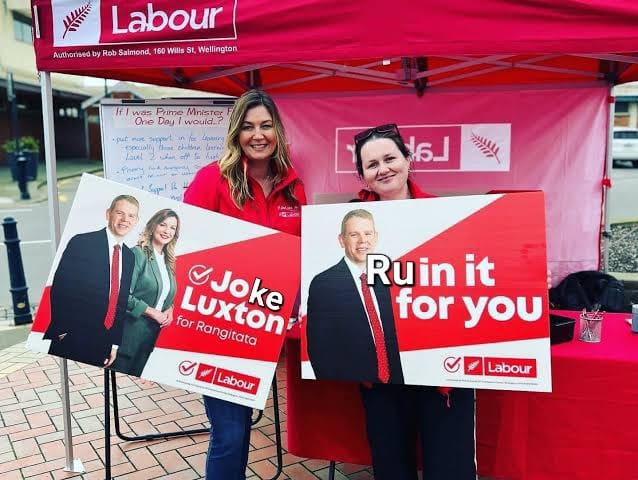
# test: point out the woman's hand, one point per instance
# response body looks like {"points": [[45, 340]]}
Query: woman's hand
{"points": [[169, 317], [160, 317], [549, 279]]}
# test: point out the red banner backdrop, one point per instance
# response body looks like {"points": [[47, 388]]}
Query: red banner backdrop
{"points": [[545, 139]]}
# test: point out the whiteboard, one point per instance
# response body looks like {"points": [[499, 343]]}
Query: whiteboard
{"points": [[159, 145]]}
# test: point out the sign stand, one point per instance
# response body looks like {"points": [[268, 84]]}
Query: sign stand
{"points": [[155, 436], [331, 470], [107, 428], [150, 436]]}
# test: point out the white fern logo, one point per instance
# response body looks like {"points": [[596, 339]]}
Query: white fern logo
{"points": [[472, 366]]}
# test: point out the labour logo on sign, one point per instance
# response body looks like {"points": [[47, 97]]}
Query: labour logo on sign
{"points": [[74, 19], [510, 367], [76, 22], [205, 373], [109, 22], [187, 367], [471, 147], [473, 365], [236, 381]]}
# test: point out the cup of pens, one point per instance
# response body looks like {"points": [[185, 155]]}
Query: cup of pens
{"points": [[591, 324]]}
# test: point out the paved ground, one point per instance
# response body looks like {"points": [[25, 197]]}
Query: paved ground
{"points": [[31, 430], [11, 334]]}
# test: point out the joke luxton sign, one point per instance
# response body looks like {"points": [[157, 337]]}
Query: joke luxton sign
{"points": [[442, 291], [169, 292]]}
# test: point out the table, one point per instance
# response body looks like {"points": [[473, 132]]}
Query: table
{"points": [[587, 428]]}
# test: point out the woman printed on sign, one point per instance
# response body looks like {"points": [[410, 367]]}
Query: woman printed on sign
{"points": [[394, 413], [150, 303], [253, 181]]}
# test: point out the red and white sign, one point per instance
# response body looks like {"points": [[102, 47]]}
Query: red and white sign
{"points": [[440, 148], [459, 286], [232, 299], [109, 22]]}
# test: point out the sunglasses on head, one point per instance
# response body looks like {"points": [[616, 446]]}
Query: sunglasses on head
{"points": [[388, 128]]}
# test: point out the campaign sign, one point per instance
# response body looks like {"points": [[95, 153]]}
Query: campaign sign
{"points": [[454, 292], [172, 293]]}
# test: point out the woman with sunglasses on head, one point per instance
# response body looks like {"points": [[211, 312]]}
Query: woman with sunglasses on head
{"points": [[253, 181], [443, 417]]}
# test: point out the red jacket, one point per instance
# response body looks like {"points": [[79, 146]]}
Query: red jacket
{"points": [[211, 191], [415, 192]]}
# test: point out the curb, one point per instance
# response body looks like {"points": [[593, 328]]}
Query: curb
{"points": [[626, 222], [42, 183], [44, 196], [626, 277]]}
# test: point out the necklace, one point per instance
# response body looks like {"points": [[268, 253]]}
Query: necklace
{"points": [[267, 184]]}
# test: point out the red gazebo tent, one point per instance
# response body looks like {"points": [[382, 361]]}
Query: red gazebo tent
{"points": [[307, 48], [317, 46]]}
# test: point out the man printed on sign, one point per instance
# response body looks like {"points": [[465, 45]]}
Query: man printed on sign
{"points": [[350, 327], [90, 289]]}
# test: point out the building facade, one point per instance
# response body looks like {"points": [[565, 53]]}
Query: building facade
{"points": [[626, 107], [17, 61]]}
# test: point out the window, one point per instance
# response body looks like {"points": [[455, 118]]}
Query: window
{"points": [[67, 112], [22, 28], [621, 108], [626, 134]]}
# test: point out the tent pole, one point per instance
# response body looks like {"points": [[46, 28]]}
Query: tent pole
{"points": [[609, 163], [71, 465]]}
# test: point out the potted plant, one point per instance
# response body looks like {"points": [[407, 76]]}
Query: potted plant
{"points": [[29, 152]]}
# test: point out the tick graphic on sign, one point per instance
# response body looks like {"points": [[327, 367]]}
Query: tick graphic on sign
{"points": [[186, 367], [198, 274], [452, 364]]}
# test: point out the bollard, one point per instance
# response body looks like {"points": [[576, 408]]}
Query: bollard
{"points": [[21, 163], [21, 307]]}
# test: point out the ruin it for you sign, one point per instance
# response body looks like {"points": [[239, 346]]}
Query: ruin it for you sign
{"points": [[169, 292], [454, 292]]}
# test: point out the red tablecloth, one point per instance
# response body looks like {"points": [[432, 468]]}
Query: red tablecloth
{"points": [[586, 429]]}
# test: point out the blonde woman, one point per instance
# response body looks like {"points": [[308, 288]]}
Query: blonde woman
{"points": [[254, 181], [150, 303]]}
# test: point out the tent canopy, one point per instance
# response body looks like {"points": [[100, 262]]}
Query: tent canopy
{"points": [[227, 46]]}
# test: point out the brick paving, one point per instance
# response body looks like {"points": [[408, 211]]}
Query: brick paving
{"points": [[31, 432]]}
